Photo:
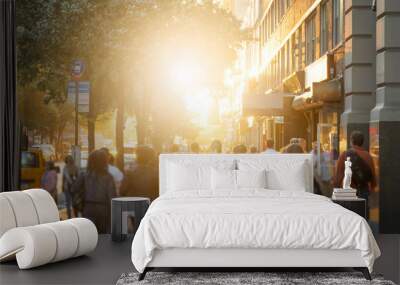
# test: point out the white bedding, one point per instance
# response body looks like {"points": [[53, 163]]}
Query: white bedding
{"points": [[251, 218]]}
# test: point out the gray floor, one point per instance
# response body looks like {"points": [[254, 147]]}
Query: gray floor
{"points": [[103, 266], [110, 260], [389, 262]]}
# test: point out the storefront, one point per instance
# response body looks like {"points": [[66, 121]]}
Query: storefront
{"points": [[321, 105], [271, 116]]}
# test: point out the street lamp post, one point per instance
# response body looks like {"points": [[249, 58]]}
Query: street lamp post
{"points": [[76, 72], [76, 112]]}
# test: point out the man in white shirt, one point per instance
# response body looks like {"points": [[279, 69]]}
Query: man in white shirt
{"points": [[117, 175], [270, 147]]}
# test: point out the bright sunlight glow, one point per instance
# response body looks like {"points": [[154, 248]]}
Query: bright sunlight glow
{"points": [[185, 73], [199, 104]]}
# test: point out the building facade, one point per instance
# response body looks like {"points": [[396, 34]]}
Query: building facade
{"points": [[318, 70]]}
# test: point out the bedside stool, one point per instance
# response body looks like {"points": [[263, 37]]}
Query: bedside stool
{"points": [[357, 205], [121, 209]]}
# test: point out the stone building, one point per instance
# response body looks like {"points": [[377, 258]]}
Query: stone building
{"points": [[319, 70]]}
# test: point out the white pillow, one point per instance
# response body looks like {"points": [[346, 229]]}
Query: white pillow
{"points": [[281, 179], [282, 173], [188, 177], [223, 179], [251, 178]]}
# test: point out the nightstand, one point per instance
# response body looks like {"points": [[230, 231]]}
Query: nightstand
{"points": [[357, 205], [121, 209]]}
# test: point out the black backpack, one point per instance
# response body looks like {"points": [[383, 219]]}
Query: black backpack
{"points": [[362, 173]]}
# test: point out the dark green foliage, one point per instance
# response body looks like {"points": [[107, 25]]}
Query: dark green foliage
{"points": [[125, 43]]}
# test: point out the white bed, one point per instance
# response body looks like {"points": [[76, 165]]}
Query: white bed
{"points": [[200, 223]]}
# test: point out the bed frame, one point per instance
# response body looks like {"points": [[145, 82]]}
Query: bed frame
{"points": [[242, 259], [249, 259]]}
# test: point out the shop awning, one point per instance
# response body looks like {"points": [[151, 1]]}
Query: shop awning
{"points": [[328, 91], [294, 83], [268, 104], [304, 101], [322, 92]]}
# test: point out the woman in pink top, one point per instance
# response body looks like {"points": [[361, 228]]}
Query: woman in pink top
{"points": [[49, 179]]}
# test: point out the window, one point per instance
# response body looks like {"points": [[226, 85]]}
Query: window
{"points": [[299, 47], [293, 52], [282, 70], [269, 23], [273, 16], [288, 65], [265, 29], [324, 28], [310, 40], [337, 22], [282, 9]]}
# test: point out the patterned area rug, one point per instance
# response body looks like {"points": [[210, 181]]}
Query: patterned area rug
{"points": [[269, 278]]}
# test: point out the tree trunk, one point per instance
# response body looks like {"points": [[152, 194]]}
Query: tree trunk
{"points": [[142, 115], [59, 145], [119, 134], [91, 134], [51, 137], [141, 129]]}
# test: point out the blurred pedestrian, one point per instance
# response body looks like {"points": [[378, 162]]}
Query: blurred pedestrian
{"points": [[241, 148], [293, 148], [49, 179], [318, 184], [113, 170], [93, 191], [143, 180], [216, 146], [174, 148], [69, 175], [195, 148], [253, 149], [303, 143], [363, 171], [270, 147]]}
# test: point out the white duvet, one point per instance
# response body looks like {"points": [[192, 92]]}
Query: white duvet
{"points": [[250, 219]]}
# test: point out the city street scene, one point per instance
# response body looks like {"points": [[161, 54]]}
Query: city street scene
{"points": [[200, 141]]}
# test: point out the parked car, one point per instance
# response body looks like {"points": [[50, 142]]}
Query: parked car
{"points": [[32, 168], [48, 150]]}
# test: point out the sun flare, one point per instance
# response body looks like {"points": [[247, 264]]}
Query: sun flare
{"points": [[199, 104]]}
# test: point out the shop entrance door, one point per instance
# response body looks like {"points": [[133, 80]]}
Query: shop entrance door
{"points": [[327, 155]]}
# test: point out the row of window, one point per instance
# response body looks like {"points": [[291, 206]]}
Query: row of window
{"points": [[276, 11], [337, 29], [292, 57]]}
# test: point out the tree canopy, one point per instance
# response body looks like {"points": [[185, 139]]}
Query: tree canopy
{"points": [[130, 48]]}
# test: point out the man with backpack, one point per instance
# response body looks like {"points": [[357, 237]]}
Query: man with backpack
{"points": [[363, 171]]}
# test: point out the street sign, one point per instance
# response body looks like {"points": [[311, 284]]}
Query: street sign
{"points": [[77, 69], [71, 92], [84, 95]]}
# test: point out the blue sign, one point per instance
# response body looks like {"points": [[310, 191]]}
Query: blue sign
{"points": [[84, 95], [78, 67]]}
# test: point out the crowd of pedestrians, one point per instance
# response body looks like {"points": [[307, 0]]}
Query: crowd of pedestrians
{"points": [[88, 193]]}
